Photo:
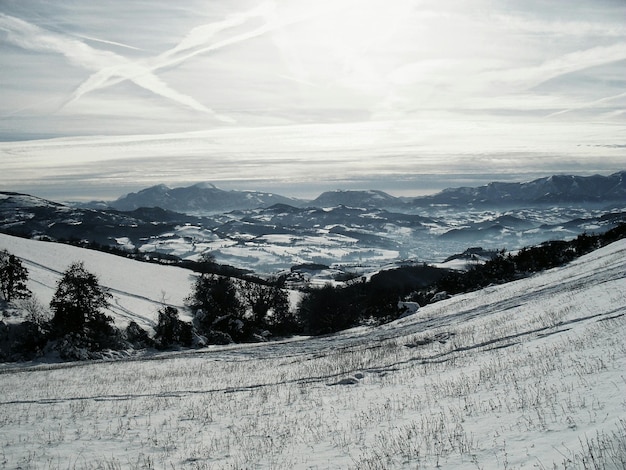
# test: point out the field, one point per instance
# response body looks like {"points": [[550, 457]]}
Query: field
{"points": [[526, 375]]}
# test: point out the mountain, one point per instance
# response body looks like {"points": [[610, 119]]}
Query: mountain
{"points": [[364, 199], [561, 189], [199, 198], [33, 217], [282, 235], [205, 198]]}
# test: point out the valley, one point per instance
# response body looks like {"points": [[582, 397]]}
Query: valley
{"points": [[353, 232]]}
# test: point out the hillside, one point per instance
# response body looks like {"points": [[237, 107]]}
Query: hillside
{"points": [[522, 375], [138, 288]]}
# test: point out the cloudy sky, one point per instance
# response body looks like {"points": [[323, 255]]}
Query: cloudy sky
{"points": [[101, 98]]}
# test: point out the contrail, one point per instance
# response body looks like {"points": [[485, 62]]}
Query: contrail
{"points": [[104, 41], [589, 105], [191, 45], [110, 76], [31, 37], [112, 69], [202, 34]]}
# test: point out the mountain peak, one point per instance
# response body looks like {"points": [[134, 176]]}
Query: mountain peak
{"points": [[204, 185], [200, 198], [356, 198]]}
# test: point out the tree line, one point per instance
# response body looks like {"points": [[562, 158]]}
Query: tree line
{"points": [[224, 310]]}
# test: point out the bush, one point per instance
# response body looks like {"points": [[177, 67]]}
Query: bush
{"points": [[170, 330], [327, 309], [268, 303], [213, 297], [137, 336]]}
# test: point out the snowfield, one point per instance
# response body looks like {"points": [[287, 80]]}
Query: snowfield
{"points": [[526, 375]]}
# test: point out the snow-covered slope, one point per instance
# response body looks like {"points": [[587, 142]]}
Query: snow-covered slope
{"points": [[138, 289], [524, 375]]}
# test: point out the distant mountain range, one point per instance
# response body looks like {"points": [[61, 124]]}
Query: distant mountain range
{"points": [[561, 189], [199, 198], [345, 228], [205, 198]]}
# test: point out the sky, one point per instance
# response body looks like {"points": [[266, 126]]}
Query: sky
{"points": [[98, 99]]}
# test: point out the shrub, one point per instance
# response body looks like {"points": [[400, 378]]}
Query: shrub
{"points": [[170, 330], [137, 336], [327, 309]]}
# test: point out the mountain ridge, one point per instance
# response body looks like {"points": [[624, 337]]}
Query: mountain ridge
{"points": [[200, 197], [547, 190], [206, 198]]}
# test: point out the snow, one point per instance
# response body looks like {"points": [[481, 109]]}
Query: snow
{"points": [[524, 375], [138, 289]]}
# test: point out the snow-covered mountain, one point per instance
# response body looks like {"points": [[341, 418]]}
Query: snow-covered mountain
{"points": [[522, 375], [353, 198], [203, 198], [561, 189]]}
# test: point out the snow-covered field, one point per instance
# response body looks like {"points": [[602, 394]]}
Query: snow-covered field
{"points": [[527, 375]]}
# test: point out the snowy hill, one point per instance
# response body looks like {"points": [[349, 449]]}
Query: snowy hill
{"points": [[523, 375], [138, 288]]}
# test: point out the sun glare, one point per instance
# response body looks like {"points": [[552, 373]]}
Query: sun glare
{"points": [[341, 40]]}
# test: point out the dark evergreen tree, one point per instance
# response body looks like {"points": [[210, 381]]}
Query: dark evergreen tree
{"points": [[171, 330], [263, 300], [213, 298], [13, 277], [78, 302], [328, 309]]}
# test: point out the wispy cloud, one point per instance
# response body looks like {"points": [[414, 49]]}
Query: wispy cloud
{"points": [[104, 41], [528, 77], [592, 104], [194, 43], [106, 63]]}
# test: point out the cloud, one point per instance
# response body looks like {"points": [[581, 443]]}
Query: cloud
{"points": [[106, 63], [592, 104], [196, 42], [528, 77], [104, 41], [201, 35]]}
